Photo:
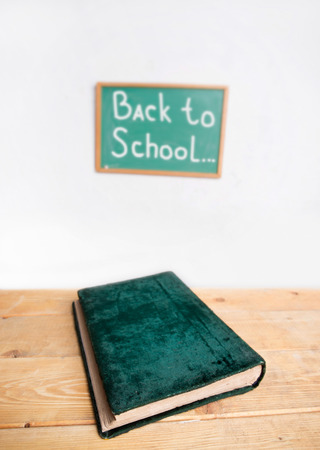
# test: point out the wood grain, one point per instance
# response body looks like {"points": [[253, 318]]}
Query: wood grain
{"points": [[30, 336], [43, 384], [54, 335], [55, 390], [36, 302], [44, 302], [260, 300], [288, 431]]}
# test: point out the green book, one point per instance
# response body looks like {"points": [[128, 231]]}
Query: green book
{"points": [[152, 348]]}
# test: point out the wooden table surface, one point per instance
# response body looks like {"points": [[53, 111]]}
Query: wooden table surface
{"points": [[44, 399]]}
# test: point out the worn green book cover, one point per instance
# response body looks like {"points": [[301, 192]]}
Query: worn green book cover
{"points": [[152, 348]]}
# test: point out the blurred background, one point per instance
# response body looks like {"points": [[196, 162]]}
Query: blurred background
{"points": [[64, 225]]}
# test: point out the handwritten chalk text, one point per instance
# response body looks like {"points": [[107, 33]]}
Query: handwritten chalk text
{"points": [[124, 109]]}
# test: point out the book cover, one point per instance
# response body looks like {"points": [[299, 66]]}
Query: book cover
{"points": [[152, 348]]}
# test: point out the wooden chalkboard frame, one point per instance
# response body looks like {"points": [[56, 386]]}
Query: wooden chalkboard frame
{"points": [[99, 87]]}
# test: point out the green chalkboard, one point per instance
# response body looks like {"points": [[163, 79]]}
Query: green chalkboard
{"points": [[160, 129]]}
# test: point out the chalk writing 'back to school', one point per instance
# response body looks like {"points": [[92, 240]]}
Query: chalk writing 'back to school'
{"points": [[123, 110]]}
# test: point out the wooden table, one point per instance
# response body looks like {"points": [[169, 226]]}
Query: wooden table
{"points": [[44, 399]]}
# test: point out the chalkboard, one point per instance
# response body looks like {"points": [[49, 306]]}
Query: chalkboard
{"points": [[160, 129]]}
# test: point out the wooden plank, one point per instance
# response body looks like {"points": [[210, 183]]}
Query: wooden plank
{"points": [[40, 390], [30, 336], [260, 299], [47, 391], [287, 431], [44, 302], [34, 302], [54, 335], [276, 330]]}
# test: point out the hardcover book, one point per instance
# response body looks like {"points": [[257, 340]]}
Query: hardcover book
{"points": [[152, 348]]}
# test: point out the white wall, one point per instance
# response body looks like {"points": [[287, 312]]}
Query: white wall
{"points": [[64, 225]]}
